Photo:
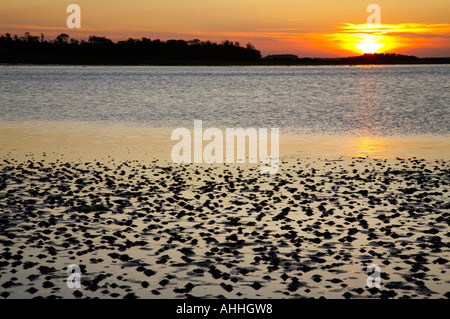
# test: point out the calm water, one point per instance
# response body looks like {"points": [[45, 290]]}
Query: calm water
{"points": [[353, 101]]}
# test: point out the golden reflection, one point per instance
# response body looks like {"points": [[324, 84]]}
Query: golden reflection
{"points": [[368, 146]]}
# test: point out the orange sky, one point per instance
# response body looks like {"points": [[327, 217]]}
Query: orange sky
{"points": [[315, 28]]}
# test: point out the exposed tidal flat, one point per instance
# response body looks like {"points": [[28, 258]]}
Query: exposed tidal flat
{"points": [[140, 226]]}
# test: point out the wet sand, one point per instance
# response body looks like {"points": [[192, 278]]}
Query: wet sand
{"points": [[83, 141], [140, 226]]}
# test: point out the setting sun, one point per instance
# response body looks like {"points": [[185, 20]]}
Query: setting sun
{"points": [[369, 46], [367, 38], [370, 39]]}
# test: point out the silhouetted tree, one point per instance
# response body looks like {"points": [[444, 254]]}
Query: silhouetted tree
{"points": [[194, 42], [99, 40], [250, 46], [62, 38]]}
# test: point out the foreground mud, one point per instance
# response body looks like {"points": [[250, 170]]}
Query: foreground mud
{"points": [[159, 230]]}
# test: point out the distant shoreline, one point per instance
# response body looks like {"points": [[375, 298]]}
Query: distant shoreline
{"points": [[230, 64], [103, 51]]}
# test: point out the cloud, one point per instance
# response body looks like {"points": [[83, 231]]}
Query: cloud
{"points": [[419, 28]]}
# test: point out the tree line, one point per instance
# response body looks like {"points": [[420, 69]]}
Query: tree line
{"points": [[101, 50]]}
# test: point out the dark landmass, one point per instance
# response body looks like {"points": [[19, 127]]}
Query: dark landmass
{"points": [[97, 50], [100, 50], [375, 58]]}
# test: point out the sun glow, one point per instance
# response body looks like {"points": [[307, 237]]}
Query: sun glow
{"points": [[370, 39], [370, 44], [352, 38], [366, 38]]}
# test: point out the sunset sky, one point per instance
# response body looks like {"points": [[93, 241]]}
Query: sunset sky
{"points": [[314, 28]]}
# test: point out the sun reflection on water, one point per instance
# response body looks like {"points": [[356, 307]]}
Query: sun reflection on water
{"points": [[368, 146]]}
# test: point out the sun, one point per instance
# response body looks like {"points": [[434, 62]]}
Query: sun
{"points": [[369, 43], [371, 38], [369, 47], [365, 38]]}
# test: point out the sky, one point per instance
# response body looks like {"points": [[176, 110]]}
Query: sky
{"points": [[307, 28]]}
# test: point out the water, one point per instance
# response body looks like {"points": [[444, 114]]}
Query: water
{"points": [[332, 100]]}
